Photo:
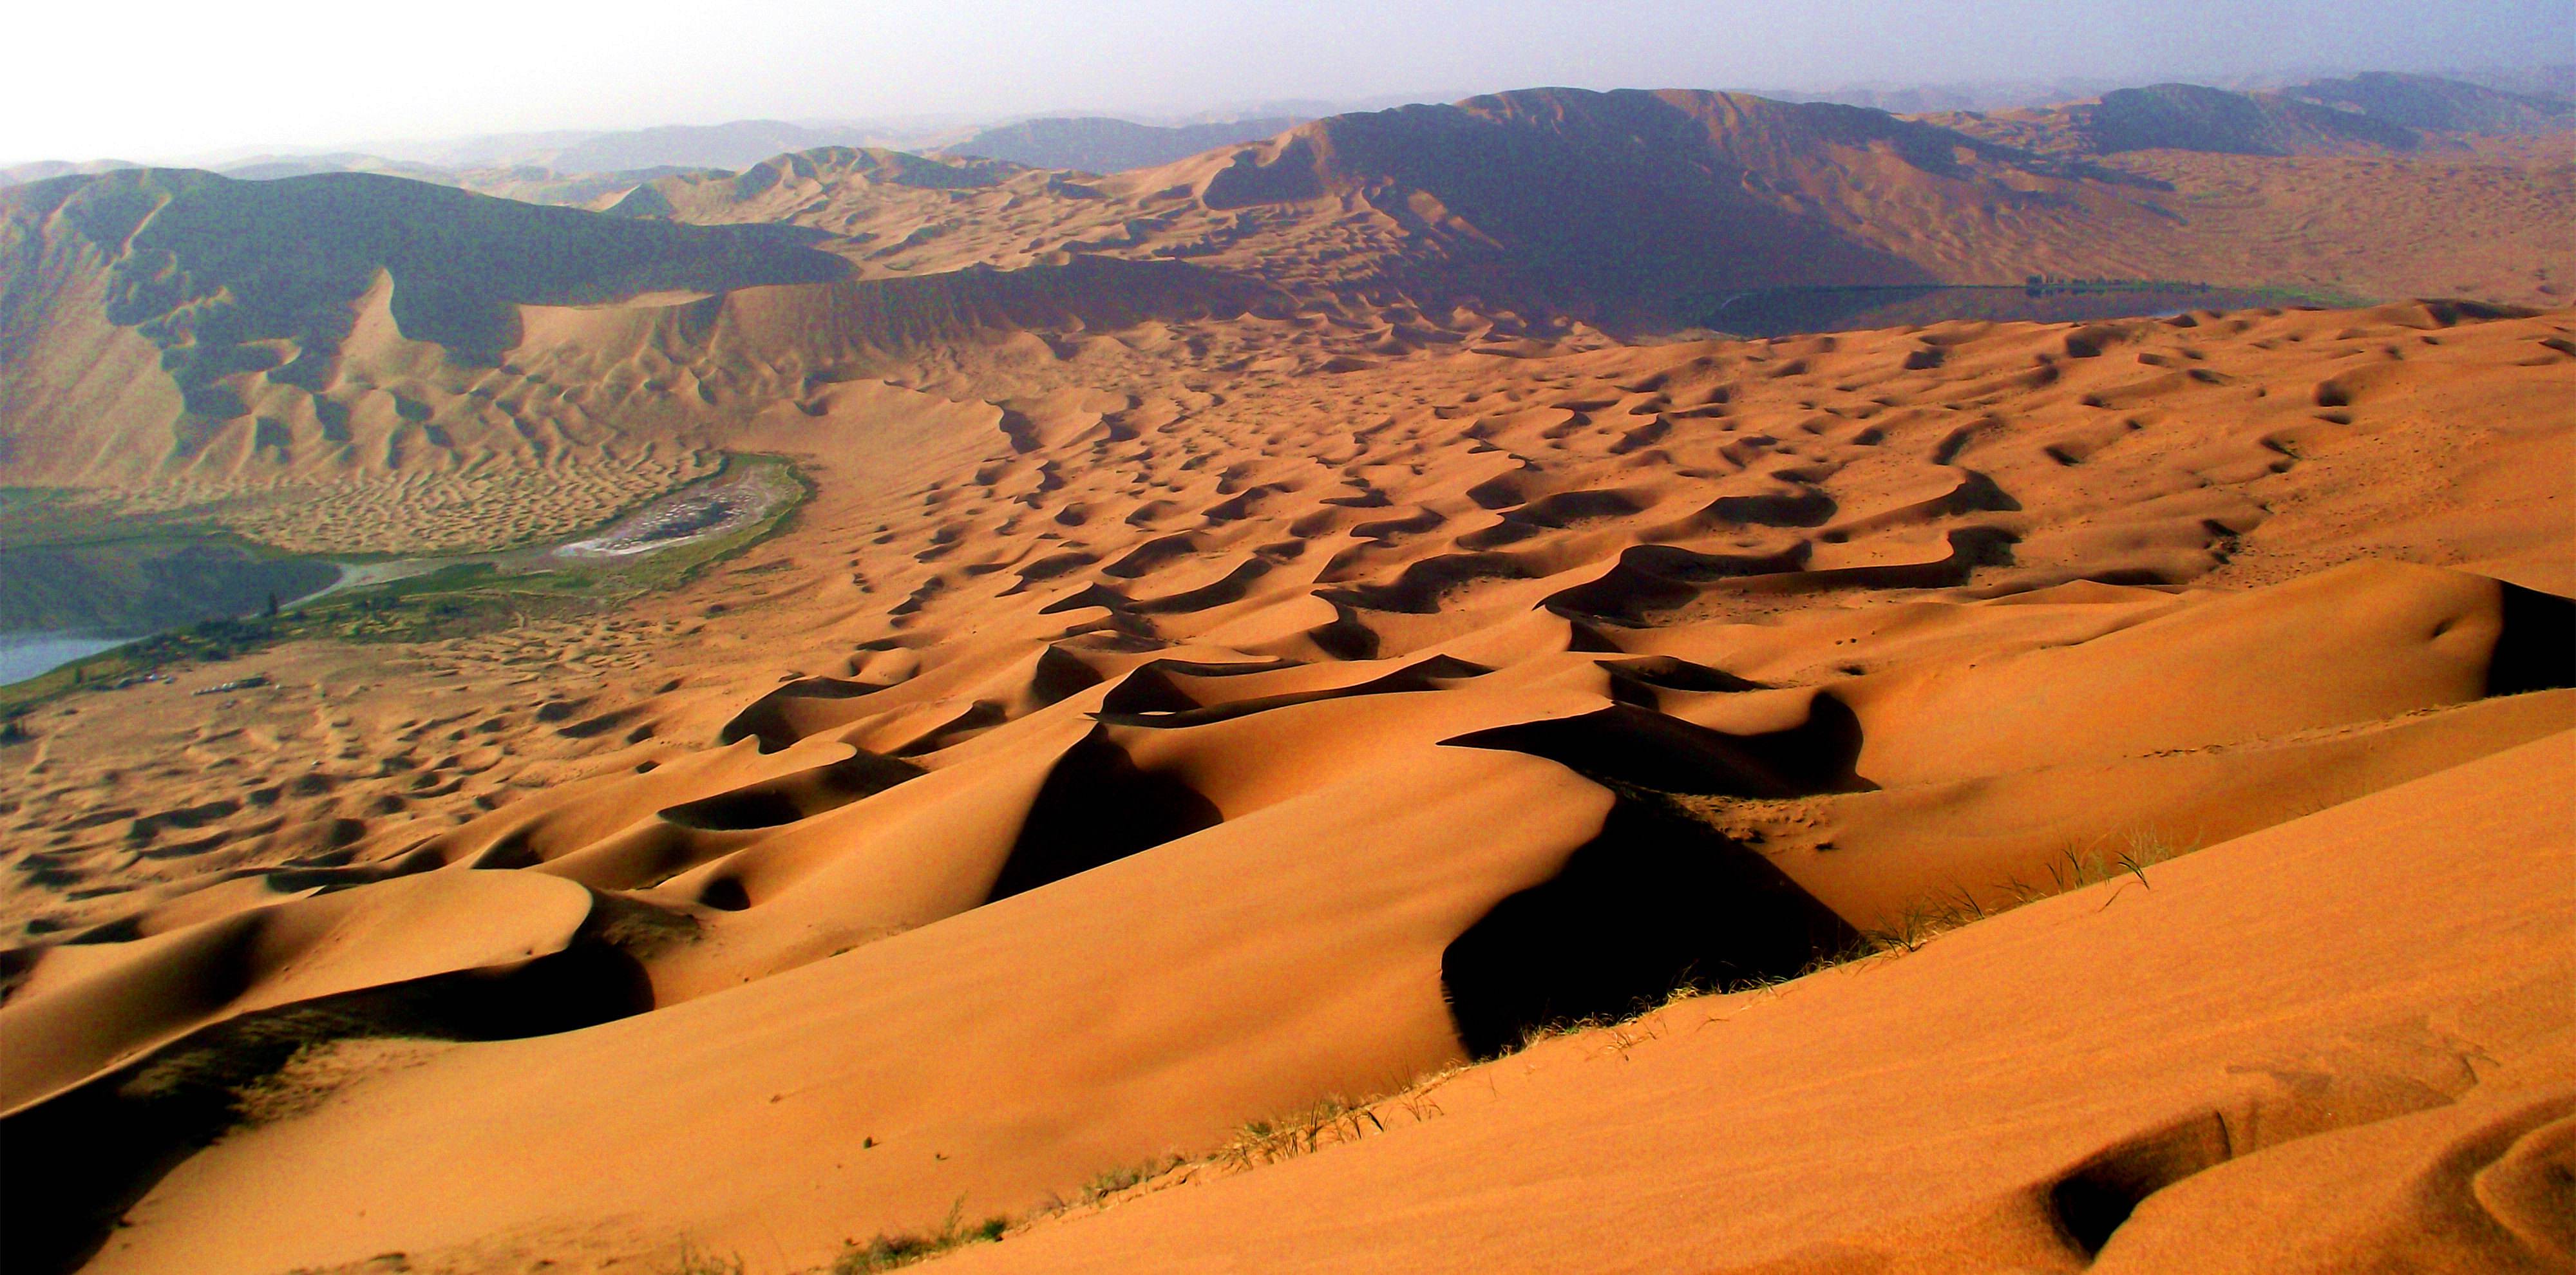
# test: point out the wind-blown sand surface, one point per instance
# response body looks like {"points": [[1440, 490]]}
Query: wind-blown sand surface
{"points": [[350, 361], [1091, 771], [1289, 628]]}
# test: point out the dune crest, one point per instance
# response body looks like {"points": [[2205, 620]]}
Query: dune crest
{"points": [[1331, 624], [1300, 734]]}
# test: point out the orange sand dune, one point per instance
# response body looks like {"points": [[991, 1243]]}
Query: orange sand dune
{"points": [[2339, 1044], [160, 346], [1101, 763], [1300, 624]]}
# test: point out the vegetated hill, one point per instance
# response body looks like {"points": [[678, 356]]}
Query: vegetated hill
{"points": [[1100, 145], [731, 145], [2366, 114], [272, 167], [2555, 81], [2434, 104], [46, 169], [2192, 118]]}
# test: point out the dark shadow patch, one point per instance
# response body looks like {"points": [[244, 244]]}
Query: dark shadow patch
{"points": [[1060, 675], [1420, 588], [2536, 649], [79, 1160], [1636, 681], [789, 798], [1096, 808], [2097, 1196], [1654, 903], [1625, 744], [777, 719], [1345, 637], [1649, 579], [1425, 675], [1149, 688], [1229, 589]]}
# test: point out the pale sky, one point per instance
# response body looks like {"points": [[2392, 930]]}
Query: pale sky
{"points": [[150, 80]]}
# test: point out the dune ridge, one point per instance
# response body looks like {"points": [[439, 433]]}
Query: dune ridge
{"points": [[1323, 626], [1301, 731], [322, 389]]}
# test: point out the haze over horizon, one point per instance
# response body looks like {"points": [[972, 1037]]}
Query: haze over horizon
{"points": [[190, 83]]}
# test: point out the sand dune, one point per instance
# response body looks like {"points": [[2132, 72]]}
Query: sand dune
{"points": [[2274, 1067], [449, 357], [1279, 736], [1317, 620]]}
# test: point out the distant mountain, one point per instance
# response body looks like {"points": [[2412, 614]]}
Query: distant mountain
{"points": [[2555, 80], [1626, 205], [45, 169], [2437, 105], [2192, 118], [731, 146], [1101, 145], [1915, 99], [272, 167], [2373, 113], [775, 188], [229, 276], [166, 318], [531, 183]]}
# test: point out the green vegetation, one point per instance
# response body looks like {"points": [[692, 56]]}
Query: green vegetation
{"points": [[887, 1252], [475, 594]]}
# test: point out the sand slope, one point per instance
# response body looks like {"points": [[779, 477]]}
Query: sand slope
{"points": [[1258, 638], [1090, 774], [2340, 1044], [441, 347]]}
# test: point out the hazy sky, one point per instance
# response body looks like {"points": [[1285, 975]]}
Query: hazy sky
{"points": [[150, 80]]}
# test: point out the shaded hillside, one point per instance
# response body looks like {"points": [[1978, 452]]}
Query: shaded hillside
{"points": [[2377, 113], [184, 338], [1618, 204], [2191, 118], [499, 336], [229, 276], [730, 145], [1098, 145], [763, 191], [1606, 206], [2428, 102], [272, 167], [46, 169]]}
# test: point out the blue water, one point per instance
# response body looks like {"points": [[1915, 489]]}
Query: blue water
{"points": [[26, 655]]}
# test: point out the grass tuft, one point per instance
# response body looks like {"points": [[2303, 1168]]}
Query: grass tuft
{"points": [[889, 1252], [696, 1261]]}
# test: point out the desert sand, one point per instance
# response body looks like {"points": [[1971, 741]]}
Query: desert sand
{"points": [[2047, 786]]}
